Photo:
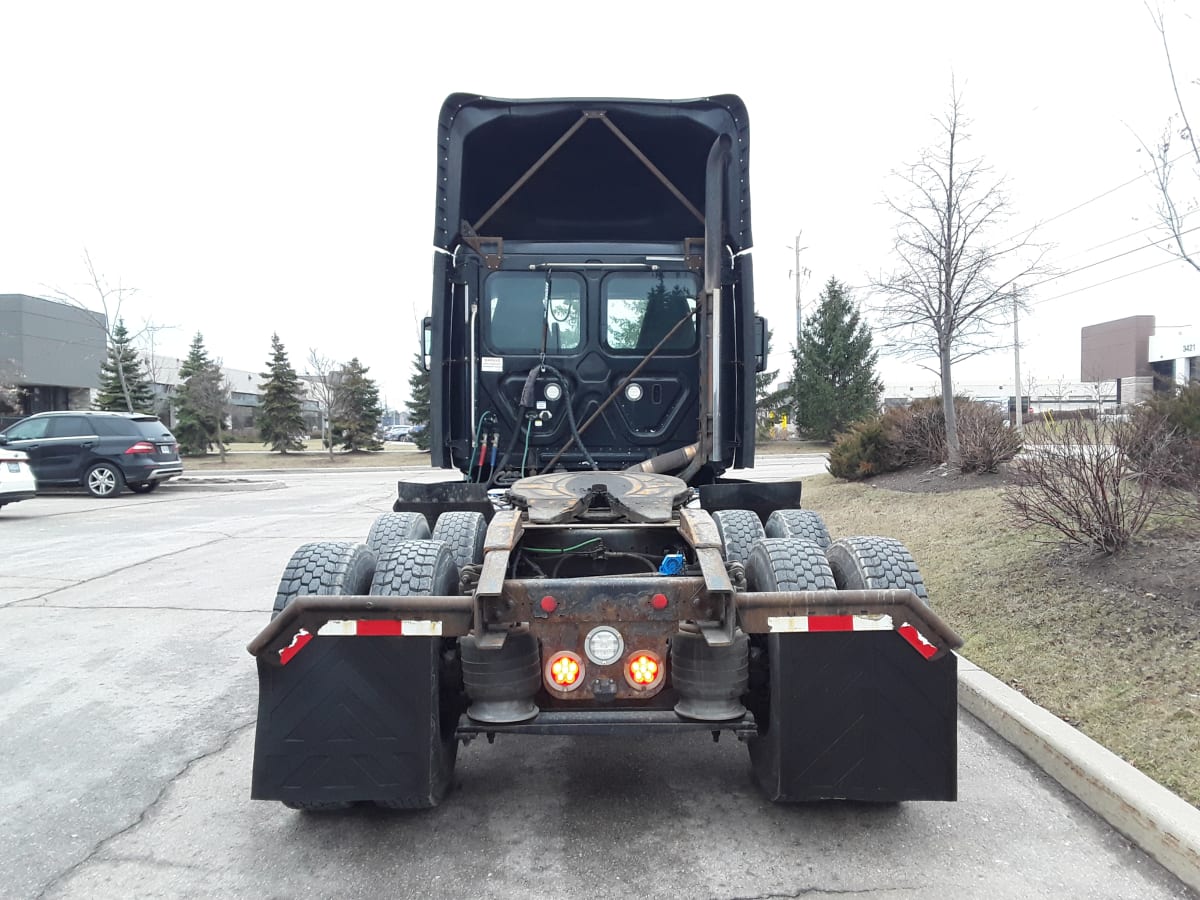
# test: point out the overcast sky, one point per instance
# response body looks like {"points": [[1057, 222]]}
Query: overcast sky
{"points": [[259, 167]]}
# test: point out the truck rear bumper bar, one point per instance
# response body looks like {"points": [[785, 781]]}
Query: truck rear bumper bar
{"points": [[612, 600]]}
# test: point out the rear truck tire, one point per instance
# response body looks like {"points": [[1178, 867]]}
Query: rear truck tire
{"points": [[874, 562], [428, 696], [319, 568], [103, 480], [393, 527], [739, 530], [851, 715], [798, 523], [464, 532], [360, 717], [142, 487]]}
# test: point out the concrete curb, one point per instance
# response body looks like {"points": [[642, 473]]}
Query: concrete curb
{"points": [[1163, 824]]}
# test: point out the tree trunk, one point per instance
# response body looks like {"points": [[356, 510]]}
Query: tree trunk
{"points": [[953, 456]]}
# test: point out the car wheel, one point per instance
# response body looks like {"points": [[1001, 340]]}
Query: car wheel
{"points": [[103, 480], [143, 487]]}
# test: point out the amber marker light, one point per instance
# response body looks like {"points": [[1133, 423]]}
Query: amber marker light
{"points": [[564, 671], [644, 670]]}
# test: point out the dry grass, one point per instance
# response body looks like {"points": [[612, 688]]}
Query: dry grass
{"points": [[253, 456], [784, 448], [1094, 651]]}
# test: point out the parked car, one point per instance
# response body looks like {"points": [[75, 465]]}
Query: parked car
{"points": [[397, 433], [16, 478], [102, 451]]}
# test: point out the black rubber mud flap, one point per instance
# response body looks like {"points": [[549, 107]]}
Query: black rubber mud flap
{"points": [[857, 716], [348, 719], [431, 500]]}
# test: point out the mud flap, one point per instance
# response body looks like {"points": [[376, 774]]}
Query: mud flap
{"points": [[857, 716], [351, 719]]}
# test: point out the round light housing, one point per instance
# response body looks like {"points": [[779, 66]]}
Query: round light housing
{"points": [[564, 671], [633, 392], [604, 645], [643, 670], [553, 391]]}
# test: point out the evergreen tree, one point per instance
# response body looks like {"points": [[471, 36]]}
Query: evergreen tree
{"points": [[358, 409], [200, 402], [280, 422], [834, 382], [124, 385], [418, 403]]}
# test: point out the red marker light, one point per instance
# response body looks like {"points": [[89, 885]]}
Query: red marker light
{"points": [[644, 670], [564, 671], [549, 604], [659, 601]]}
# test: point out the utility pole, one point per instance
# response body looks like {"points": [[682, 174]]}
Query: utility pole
{"points": [[1016, 367], [799, 318], [800, 275]]}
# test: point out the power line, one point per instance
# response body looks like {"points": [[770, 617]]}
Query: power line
{"points": [[1153, 227], [1165, 262], [1101, 196], [1101, 262]]}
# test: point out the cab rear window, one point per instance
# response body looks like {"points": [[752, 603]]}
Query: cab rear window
{"points": [[641, 308], [517, 315]]}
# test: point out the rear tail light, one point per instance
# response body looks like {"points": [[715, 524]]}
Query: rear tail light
{"points": [[141, 447], [564, 671], [643, 670]]}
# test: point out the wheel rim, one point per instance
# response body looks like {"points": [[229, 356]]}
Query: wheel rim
{"points": [[102, 481]]}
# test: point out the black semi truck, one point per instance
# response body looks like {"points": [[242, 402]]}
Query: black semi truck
{"points": [[592, 566]]}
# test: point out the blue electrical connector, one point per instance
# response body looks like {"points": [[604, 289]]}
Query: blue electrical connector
{"points": [[672, 564]]}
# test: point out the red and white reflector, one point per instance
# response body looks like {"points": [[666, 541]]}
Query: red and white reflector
{"points": [[361, 628], [381, 627], [792, 624]]}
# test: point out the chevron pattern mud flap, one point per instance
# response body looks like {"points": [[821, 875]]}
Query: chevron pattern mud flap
{"points": [[351, 719], [857, 716]]}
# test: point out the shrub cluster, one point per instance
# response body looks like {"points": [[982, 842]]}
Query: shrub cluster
{"points": [[916, 435], [1096, 484], [864, 450]]}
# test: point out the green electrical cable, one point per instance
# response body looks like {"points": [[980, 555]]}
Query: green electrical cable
{"points": [[564, 549], [475, 446]]}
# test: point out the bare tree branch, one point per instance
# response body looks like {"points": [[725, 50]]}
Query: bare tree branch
{"points": [[952, 287]]}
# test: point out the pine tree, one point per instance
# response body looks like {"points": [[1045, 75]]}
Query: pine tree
{"points": [[834, 382], [280, 422], [358, 409], [199, 402], [124, 385], [418, 403]]}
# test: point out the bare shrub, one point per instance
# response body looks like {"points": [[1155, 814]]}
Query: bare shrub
{"points": [[1096, 483], [983, 438], [918, 434]]}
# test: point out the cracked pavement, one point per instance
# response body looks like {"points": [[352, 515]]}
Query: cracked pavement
{"points": [[125, 744]]}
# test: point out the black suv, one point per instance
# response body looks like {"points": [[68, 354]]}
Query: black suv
{"points": [[100, 450]]}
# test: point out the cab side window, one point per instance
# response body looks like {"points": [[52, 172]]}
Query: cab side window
{"points": [[29, 430], [69, 426]]}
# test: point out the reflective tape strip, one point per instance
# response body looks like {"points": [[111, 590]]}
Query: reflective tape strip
{"points": [[809, 624], [301, 638], [380, 627], [784, 624], [918, 640]]}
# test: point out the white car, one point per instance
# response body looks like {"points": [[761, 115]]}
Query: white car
{"points": [[16, 478]]}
